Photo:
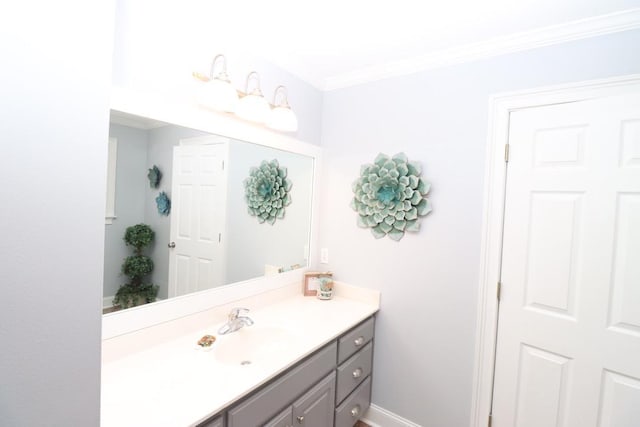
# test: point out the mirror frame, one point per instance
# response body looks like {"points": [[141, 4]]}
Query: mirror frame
{"points": [[186, 114]]}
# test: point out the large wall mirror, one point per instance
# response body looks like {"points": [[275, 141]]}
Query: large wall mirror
{"points": [[209, 239]]}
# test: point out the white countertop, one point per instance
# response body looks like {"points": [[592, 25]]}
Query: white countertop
{"points": [[172, 383]]}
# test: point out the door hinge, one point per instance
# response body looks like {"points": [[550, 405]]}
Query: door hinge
{"points": [[498, 290], [489, 421], [506, 152], [223, 165], [219, 237]]}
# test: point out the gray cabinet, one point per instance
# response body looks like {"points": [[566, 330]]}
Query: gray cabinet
{"points": [[354, 371], [355, 362], [315, 408], [355, 339], [332, 387], [259, 408], [354, 406]]}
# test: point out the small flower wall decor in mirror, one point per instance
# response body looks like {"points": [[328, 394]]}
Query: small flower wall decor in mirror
{"points": [[163, 203], [266, 191], [154, 176], [390, 196]]}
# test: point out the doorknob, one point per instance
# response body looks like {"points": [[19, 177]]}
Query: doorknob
{"points": [[300, 420], [172, 245]]}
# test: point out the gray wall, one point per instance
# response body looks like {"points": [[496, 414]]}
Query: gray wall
{"points": [[426, 328], [131, 182], [54, 81]]}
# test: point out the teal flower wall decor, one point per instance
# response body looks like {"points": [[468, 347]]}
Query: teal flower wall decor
{"points": [[154, 176], [266, 191], [390, 196], [163, 203]]}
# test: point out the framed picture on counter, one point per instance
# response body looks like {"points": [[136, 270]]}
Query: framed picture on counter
{"points": [[311, 282]]}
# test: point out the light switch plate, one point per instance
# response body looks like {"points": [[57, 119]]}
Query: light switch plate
{"points": [[324, 256]]}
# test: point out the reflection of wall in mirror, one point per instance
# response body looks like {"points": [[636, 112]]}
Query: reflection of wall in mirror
{"points": [[250, 245], [129, 200], [138, 150]]}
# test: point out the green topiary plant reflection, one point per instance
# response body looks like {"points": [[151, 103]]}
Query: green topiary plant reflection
{"points": [[390, 196], [137, 266], [266, 191]]}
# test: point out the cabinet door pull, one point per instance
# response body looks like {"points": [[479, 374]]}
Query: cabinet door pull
{"points": [[355, 411], [357, 373], [359, 341], [300, 419]]}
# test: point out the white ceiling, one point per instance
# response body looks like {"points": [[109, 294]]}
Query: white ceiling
{"points": [[337, 43]]}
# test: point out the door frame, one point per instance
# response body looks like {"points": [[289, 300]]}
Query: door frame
{"points": [[500, 108]]}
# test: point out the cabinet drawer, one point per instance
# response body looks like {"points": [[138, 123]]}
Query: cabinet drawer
{"points": [[264, 404], [353, 372], [354, 406], [355, 340]]}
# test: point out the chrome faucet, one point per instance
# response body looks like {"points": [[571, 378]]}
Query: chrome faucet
{"points": [[236, 321]]}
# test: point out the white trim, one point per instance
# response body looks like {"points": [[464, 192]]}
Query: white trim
{"points": [[379, 417], [112, 165], [545, 36], [500, 107]]}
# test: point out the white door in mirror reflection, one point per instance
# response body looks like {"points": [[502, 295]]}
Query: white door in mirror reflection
{"points": [[198, 218]]}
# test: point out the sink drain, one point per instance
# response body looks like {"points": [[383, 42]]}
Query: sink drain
{"points": [[245, 362]]}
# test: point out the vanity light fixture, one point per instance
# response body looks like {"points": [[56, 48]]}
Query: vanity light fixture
{"points": [[282, 116], [253, 106], [219, 94]]}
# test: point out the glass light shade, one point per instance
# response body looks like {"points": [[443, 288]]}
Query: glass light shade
{"points": [[253, 107], [283, 118], [219, 95]]}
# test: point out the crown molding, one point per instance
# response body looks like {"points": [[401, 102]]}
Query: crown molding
{"points": [[545, 36]]}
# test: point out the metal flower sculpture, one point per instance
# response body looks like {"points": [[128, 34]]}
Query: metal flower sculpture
{"points": [[154, 176], [390, 196], [266, 191], [163, 203]]}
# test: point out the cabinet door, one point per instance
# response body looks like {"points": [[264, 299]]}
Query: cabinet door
{"points": [[260, 407], [316, 407], [283, 419]]}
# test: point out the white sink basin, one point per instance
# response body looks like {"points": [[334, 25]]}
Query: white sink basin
{"points": [[254, 344]]}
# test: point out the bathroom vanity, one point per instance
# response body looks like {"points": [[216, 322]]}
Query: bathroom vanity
{"points": [[304, 362], [301, 362]]}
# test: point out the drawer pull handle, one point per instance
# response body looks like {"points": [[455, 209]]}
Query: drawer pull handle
{"points": [[359, 341], [357, 373], [355, 411], [300, 419]]}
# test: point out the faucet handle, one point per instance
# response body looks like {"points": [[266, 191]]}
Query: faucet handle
{"points": [[236, 312]]}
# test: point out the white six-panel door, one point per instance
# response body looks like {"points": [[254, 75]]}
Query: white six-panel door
{"points": [[196, 262], [568, 351]]}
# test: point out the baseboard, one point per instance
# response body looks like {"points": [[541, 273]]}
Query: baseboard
{"points": [[379, 417], [107, 302]]}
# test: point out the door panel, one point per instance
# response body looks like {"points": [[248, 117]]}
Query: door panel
{"points": [[569, 322], [198, 218], [538, 371]]}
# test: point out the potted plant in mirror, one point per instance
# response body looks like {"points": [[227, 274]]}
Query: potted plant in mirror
{"points": [[137, 267]]}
